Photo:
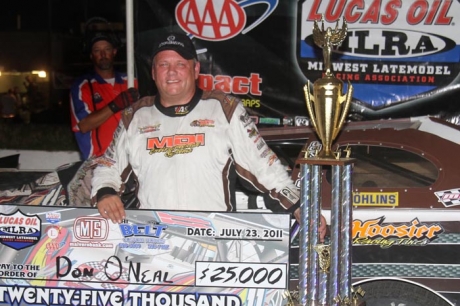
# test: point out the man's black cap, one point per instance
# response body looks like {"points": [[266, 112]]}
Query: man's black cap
{"points": [[178, 42], [98, 36]]}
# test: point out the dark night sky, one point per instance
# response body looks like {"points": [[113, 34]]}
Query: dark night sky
{"points": [[25, 24], [66, 15]]}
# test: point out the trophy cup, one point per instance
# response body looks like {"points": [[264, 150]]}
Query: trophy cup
{"points": [[325, 270], [328, 108]]}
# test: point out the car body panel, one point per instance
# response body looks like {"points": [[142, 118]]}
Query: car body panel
{"points": [[416, 239], [423, 250]]}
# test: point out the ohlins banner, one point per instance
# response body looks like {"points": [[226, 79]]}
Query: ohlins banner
{"points": [[402, 57]]}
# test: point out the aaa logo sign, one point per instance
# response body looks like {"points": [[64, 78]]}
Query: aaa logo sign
{"points": [[218, 20]]}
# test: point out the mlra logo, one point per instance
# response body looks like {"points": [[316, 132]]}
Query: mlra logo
{"points": [[19, 231]]}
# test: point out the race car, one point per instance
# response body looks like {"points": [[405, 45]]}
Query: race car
{"points": [[406, 205]]}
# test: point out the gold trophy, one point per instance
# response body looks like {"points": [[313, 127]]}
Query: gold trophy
{"points": [[325, 269], [328, 108]]}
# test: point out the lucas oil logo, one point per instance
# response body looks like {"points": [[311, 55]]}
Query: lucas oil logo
{"points": [[19, 231], [388, 43], [175, 144], [400, 28], [217, 20]]}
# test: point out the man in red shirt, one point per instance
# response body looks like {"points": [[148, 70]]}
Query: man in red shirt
{"points": [[96, 101], [98, 97]]}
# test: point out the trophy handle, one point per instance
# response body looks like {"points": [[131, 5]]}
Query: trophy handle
{"points": [[344, 110], [308, 101]]}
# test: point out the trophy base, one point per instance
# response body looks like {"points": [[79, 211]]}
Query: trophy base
{"points": [[354, 303], [326, 161]]}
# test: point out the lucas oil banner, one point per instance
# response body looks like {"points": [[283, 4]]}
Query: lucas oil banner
{"points": [[402, 57], [71, 256]]}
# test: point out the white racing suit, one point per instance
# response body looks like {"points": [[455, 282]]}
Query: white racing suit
{"points": [[183, 156]]}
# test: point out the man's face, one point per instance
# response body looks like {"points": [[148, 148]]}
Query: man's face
{"points": [[103, 54], [175, 77]]}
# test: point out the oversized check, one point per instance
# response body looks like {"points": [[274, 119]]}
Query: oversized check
{"points": [[71, 256]]}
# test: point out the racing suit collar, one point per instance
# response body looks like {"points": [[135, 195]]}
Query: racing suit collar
{"points": [[179, 110]]}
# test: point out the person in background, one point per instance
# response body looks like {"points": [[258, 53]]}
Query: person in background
{"points": [[17, 96], [8, 108], [33, 95], [184, 143], [97, 100]]}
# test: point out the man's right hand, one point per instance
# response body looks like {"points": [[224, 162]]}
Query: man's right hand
{"points": [[124, 99], [111, 207]]}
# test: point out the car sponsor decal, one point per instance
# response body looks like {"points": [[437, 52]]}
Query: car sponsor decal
{"points": [[202, 123], [288, 121], [261, 144], [246, 119], [230, 100], [272, 159], [19, 231], [291, 195], [266, 152], [181, 110], [97, 98], [53, 217], [54, 241], [378, 199], [273, 121], [301, 121], [175, 144], [139, 236], [449, 197], [52, 231], [149, 128], [128, 111], [143, 230], [253, 132], [255, 119], [91, 231], [413, 233]]}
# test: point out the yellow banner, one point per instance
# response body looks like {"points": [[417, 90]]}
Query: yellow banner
{"points": [[377, 199]]}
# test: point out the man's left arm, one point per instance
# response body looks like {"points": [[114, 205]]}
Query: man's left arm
{"points": [[259, 165]]}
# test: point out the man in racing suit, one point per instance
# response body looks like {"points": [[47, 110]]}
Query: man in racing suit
{"points": [[183, 143]]}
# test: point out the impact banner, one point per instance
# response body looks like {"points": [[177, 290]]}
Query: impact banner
{"points": [[71, 256]]}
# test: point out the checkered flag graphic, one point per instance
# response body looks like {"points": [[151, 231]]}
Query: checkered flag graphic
{"points": [[449, 197]]}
